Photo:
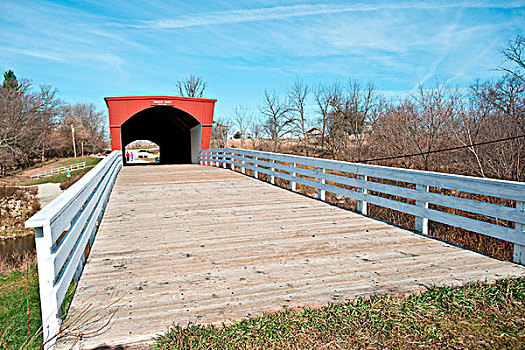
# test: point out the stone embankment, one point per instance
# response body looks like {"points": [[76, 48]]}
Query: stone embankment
{"points": [[16, 206]]}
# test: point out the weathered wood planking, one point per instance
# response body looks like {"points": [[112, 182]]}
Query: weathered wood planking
{"points": [[202, 244]]}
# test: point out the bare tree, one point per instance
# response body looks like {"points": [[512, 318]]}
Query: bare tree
{"points": [[26, 118], [297, 96], [515, 55], [192, 86], [323, 98], [498, 112], [278, 122], [256, 131], [220, 132], [417, 124], [88, 124], [241, 120], [351, 108]]}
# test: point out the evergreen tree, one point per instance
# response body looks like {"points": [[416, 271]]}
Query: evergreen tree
{"points": [[10, 80]]}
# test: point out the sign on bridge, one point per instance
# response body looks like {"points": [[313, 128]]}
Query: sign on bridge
{"points": [[161, 103]]}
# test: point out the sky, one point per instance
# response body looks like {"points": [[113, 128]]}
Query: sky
{"points": [[89, 49]]}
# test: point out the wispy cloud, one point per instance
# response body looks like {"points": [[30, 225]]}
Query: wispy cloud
{"points": [[281, 12], [38, 54]]}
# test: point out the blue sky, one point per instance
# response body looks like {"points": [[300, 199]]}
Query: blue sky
{"points": [[91, 49]]}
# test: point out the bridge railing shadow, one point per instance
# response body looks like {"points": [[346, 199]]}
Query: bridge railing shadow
{"points": [[424, 195]]}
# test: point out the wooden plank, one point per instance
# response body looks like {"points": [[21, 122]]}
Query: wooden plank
{"points": [[217, 246]]}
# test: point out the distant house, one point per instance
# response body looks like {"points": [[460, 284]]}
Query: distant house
{"points": [[314, 132]]}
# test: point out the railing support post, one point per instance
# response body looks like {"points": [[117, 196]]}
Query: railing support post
{"points": [[224, 160], [255, 172], [519, 250], [362, 206], [293, 184], [232, 166], [321, 194], [243, 169], [48, 297], [272, 178], [421, 223]]}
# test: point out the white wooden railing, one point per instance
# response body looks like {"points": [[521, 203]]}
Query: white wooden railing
{"points": [[63, 229], [336, 176], [60, 170]]}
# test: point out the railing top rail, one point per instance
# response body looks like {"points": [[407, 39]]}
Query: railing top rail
{"points": [[492, 187], [51, 211]]}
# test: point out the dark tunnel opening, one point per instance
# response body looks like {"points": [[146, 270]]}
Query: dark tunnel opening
{"points": [[176, 132]]}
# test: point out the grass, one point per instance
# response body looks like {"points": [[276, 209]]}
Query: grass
{"points": [[473, 316], [13, 308], [90, 161], [59, 178]]}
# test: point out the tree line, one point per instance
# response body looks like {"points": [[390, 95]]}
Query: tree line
{"points": [[36, 124], [353, 121]]}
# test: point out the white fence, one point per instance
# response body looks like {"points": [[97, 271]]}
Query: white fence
{"points": [[421, 187], [63, 229], [60, 170]]}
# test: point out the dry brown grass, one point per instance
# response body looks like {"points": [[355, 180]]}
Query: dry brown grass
{"points": [[17, 261]]}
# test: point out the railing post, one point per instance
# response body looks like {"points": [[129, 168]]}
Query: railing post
{"points": [[362, 206], [232, 166], [46, 277], [224, 159], [321, 194], [293, 184], [421, 223], [272, 177], [243, 169], [519, 250], [255, 172]]}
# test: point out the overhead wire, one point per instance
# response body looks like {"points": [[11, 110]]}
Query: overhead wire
{"points": [[441, 150]]}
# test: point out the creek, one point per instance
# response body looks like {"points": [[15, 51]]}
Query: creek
{"points": [[19, 245]]}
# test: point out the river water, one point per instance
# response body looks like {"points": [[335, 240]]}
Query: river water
{"points": [[17, 246]]}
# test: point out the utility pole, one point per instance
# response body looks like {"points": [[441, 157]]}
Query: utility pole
{"points": [[73, 136], [222, 135]]}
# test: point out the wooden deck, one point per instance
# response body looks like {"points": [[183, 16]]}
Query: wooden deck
{"points": [[198, 244]]}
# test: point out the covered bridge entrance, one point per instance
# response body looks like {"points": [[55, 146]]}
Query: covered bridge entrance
{"points": [[181, 126]]}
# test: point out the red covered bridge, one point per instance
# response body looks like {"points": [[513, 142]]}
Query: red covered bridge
{"points": [[181, 126]]}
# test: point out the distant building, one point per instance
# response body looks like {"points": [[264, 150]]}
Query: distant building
{"points": [[314, 132]]}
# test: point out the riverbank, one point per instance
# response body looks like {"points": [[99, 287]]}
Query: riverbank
{"points": [[16, 206]]}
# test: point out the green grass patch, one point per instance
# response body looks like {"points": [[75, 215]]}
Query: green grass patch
{"points": [[473, 316], [59, 178], [13, 308], [90, 161]]}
